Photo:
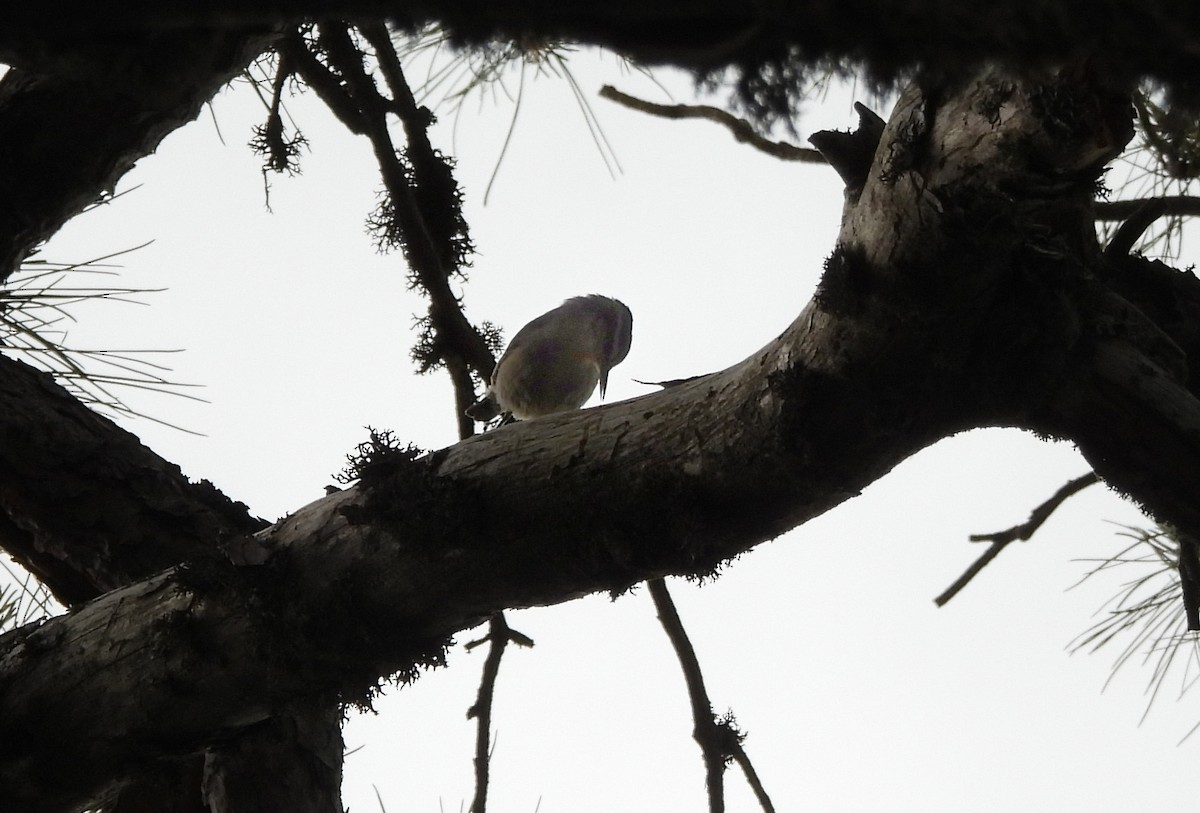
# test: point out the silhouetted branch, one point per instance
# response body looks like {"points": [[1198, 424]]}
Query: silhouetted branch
{"points": [[1176, 205], [280, 153], [704, 730], [1135, 226], [481, 711], [741, 129], [1022, 532], [743, 760], [499, 636], [421, 210], [451, 339], [295, 55], [719, 740]]}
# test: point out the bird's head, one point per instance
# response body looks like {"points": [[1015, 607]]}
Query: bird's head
{"points": [[612, 322]]}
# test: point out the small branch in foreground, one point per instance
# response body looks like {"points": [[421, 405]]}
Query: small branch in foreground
{"points": [[499, 636], [1023, 532], [719, 740], [741, 129]]}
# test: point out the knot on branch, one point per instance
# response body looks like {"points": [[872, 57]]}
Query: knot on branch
{"points": [[726, 737]]}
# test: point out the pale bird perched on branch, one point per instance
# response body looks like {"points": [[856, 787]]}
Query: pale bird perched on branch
{"points": [[554, 363]]}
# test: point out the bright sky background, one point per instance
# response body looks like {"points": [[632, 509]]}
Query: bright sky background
{"points": [[857, 693]]}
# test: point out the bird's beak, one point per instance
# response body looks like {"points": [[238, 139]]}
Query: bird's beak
{"points": [[603, 380]]}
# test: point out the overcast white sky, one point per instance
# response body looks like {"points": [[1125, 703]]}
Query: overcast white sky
{"points": [[856, 691]]}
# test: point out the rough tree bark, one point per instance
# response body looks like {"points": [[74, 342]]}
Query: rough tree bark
{"points": [[966, 290]]}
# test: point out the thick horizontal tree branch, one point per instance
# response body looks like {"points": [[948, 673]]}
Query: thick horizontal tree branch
{"points": [[195, 656], [1165, 297]]}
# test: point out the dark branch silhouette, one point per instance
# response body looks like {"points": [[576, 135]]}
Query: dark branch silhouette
{"points": [[421, 211], [1023, 532], [743, 760], [1189, 578], [1172, 205], [741, 129], [499, 636], [704, 729], [1133, 228], [719, 739]]}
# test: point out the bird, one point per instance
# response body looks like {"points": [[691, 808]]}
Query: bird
{"points": [[554, 363]]}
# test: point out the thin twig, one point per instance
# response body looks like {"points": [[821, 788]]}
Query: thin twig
{"points": [[704, 724], [322, 80], [481, 711], [719, 740], [743, 760], [436, 203], [1023, 532], [741, 129], [423, 213], [499, 636]]}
